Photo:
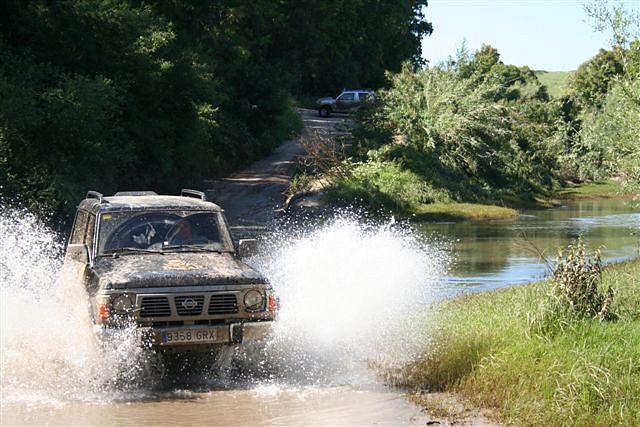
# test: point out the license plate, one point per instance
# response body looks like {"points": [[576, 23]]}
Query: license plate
{"points": [[194, 336]]}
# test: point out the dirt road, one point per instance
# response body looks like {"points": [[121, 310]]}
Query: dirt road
{"points": [[252, 196]]}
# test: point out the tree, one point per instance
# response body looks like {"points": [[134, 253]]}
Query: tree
{"points": [[593, 79], [158, 94], [614, 128]]}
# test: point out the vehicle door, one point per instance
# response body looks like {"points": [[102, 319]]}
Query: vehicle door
{"points": [[363, 97], [345, 102]]}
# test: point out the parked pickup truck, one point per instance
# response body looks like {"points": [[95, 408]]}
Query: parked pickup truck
{"points": [[167, 265], [346, 102]]}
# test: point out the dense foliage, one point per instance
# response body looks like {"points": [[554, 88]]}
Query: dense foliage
{"points": [[609, 136], [601, 109], [472, 130], [324, 46], [124, 94], [600, 114]]}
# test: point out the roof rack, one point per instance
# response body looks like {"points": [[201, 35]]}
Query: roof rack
{"points": [[193, 193], [94, 195], [136, 193]]}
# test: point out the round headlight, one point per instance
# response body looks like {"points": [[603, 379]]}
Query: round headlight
{"points": [[122, 304], [253, 300]]}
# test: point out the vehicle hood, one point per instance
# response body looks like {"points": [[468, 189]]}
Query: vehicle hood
{"points": [[326, 100], [173, 269]]}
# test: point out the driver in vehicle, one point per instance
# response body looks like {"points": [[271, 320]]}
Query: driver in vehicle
{"points": [[180, 233], [193, 229]]}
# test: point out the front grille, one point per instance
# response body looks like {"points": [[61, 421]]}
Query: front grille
{"points": [[198, 305], [155, 307], [223, 304], [189, 305]]}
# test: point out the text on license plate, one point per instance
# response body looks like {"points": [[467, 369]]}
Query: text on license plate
{"points": [[186, 336]]}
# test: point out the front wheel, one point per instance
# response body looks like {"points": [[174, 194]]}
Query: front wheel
{"points": [[324, 111]]}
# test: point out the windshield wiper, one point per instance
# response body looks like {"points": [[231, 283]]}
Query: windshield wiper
{"points": [[191, 246], [131, 249]]}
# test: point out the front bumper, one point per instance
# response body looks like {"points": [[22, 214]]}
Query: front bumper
{"points": [[191, 335]]}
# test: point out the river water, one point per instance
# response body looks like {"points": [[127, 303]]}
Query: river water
{"points": [[346, 288], [494, 254]]}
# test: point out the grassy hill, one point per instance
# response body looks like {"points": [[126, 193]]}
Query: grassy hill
{"points": [[555, 81]]}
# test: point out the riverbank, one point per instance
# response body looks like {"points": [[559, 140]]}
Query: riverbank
{"points": [[610, 189], [461, 211], [485, 351]]}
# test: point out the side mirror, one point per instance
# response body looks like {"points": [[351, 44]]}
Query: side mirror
{"points": [[78, 252], [247, 247]]}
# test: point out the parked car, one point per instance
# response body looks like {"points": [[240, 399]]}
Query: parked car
{"points": [[346, 102], [167, 266]]}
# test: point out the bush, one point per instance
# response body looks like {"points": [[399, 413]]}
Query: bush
{"points": [[470, 131], [575, 292], [385, 185]]}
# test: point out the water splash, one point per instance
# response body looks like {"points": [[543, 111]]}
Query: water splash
{"points": [[47, 346], [349, 293]]}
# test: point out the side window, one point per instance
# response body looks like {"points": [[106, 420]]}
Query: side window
{"points": [[363, 96], [89, 235], [79, 227], [347, 96]]}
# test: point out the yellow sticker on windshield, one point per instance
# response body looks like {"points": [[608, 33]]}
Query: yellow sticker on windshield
{"points": [[107, 216]]}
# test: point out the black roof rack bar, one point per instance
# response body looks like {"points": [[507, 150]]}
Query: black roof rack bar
{"points": [[94, 195], [193, 193]]}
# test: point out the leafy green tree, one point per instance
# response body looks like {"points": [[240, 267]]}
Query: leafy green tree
{"points": [[613, 131], [117, 94], [610, 134], [510, 82], [351, 43], [593, 79]]}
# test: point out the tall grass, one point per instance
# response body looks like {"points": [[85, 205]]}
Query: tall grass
{"points": [[588, 373]]}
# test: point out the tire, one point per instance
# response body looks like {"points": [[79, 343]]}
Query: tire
{"points": [[324, 111]]}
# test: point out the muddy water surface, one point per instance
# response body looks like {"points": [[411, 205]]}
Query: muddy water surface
{"points": [[262, 405]]}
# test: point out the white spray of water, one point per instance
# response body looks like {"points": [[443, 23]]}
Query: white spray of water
{"points": [[47, 347], [349, 293]]}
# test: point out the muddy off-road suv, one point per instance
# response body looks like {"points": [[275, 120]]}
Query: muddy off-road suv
{"points": [[167, 265], [347, 102]]}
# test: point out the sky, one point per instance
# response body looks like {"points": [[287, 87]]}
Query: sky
{"points": [[551, 35]]}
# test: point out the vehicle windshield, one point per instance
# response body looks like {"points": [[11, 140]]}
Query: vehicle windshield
{"points": [[145, 231]]}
